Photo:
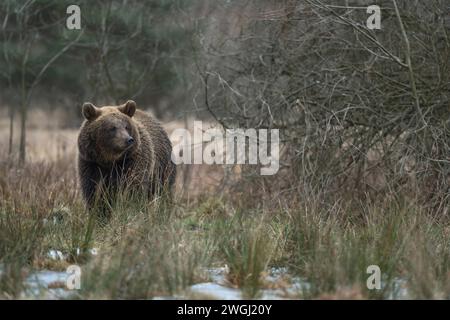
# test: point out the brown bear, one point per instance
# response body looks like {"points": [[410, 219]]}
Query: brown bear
{"points": [[122, 148]]}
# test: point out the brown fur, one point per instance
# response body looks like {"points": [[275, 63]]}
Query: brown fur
{"points": [[108, 164]]}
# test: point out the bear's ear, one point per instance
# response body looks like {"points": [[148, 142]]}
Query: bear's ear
{"points": [[129, 108], [90, 112]]}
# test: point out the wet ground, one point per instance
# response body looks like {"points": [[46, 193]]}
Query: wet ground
{"points": [[276, 284], [48, 284]]}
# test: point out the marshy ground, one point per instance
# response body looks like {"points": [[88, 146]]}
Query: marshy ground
{"points": [[239, 239]]}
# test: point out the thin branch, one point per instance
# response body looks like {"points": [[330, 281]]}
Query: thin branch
{"points": [[409, 63]]}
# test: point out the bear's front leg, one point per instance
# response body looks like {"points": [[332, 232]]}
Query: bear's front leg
{"points": [[89, 176], [93, 188]]}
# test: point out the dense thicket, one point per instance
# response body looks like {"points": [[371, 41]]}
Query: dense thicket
{"points": [[358, 108]]}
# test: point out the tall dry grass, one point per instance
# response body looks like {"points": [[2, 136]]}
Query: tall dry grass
{"points": [[160, 248]]}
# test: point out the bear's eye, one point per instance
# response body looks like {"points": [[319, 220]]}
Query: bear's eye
{"points": [[127, 127], [113, 129]]}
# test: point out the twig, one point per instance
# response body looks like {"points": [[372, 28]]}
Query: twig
{"points": [[409, 63]]}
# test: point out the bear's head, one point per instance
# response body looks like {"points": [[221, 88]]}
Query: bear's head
{"points": [[108, 133]]}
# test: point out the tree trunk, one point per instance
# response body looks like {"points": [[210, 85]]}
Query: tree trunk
{"points": [[23, 132], [11, 129]]}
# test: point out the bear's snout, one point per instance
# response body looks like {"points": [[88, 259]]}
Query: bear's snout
{"points": [[130, 141]]}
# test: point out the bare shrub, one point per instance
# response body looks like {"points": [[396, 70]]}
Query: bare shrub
{"points": [[358, 109]]}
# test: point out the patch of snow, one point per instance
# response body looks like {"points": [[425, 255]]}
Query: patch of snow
{"points": [[59, 255], [399, 290], [216, 291], [37, 285]]}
